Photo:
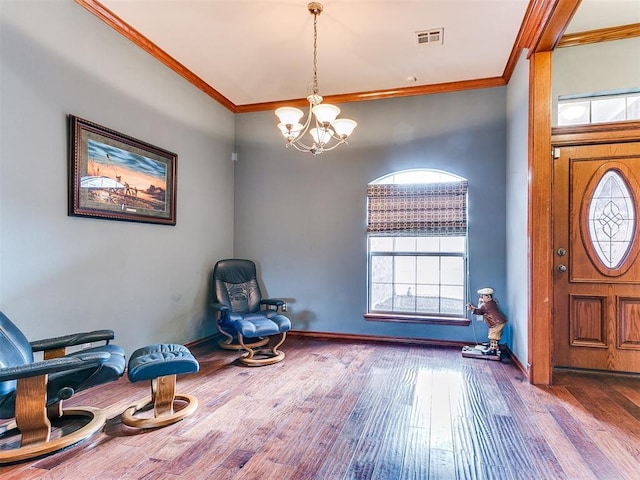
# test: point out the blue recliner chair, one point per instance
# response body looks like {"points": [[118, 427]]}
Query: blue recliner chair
{"points": [[32, 392], [241, 318]]}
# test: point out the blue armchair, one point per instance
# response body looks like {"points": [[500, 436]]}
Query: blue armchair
{"points": [[32, 392], [241, 318]]}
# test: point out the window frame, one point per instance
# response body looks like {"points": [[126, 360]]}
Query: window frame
{"points": [[590, 102], [409, 317]]}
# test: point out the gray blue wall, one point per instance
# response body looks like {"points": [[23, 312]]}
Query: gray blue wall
{"points": [[595, 67], [517, 300], [303, 218], [61, 274]]}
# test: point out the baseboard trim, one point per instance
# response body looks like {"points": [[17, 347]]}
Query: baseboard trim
{"points": [[357, 337], [203, 340], [352, 337], [348, 337], [519, 365]]}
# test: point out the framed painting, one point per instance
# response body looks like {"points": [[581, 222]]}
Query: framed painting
{"points": [[116, 177]]}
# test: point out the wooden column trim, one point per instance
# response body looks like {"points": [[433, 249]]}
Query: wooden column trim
{"points": [[540, 325], [556, 23]]}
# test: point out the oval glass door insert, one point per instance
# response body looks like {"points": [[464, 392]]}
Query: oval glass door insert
{"points": [[611, 219]]}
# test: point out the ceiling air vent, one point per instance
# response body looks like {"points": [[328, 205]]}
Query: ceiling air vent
{"points": [[435, 36]]}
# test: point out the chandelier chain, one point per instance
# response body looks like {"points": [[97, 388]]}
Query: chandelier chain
{"points": [[315, 53]]}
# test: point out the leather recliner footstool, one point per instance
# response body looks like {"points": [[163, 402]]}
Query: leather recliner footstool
{"points": [[160, 364]]}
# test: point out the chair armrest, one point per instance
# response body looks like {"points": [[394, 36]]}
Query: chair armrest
{"points": [[222, 312], [73, 339], [83, 360], [219, 307], [273, 302]]}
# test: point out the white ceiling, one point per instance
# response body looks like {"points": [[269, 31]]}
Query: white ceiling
{"points": [[595, 14], [254, 51]]}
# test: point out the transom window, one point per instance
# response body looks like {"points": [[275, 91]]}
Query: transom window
{"points": [[599, 107], [417, 246]]}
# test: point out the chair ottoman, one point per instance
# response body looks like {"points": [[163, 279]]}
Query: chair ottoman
{"points": [[160, 364]]}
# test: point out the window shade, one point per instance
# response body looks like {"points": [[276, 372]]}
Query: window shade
{"points": [[434, 209]]}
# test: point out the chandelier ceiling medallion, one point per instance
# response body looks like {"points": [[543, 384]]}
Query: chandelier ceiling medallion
{"points": [[329, 131]]}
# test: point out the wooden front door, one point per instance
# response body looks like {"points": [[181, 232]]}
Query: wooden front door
{"points": [[596, 240]]}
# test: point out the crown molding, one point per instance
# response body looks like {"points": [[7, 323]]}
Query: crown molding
{"points": [[380, 94], [127, 31], [541, 30], [601, 35], [545, 22]]}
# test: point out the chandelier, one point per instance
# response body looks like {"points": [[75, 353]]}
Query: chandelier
{"points": [[328, 131]]}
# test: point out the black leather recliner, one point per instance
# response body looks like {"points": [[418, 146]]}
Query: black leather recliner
{"points": [[240, 315], [32, 392]]}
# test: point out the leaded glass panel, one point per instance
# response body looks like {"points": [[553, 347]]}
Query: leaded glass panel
{"points": [[611, 219]]}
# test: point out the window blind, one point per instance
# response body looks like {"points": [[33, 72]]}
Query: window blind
{"points": [[433, 209]]}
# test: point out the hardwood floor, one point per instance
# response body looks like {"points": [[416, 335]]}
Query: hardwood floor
{"points": [[337, 410]]}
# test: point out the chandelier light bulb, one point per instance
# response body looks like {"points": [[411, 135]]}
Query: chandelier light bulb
{"points": [[321, 116], [321, 136], [289, 115], [325, 113], [290, 131], [344, 126]]}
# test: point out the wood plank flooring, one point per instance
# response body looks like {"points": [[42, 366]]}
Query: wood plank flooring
{"points": [[338, 410]]}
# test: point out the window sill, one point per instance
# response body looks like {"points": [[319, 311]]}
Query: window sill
{"points": [[390, 317]]}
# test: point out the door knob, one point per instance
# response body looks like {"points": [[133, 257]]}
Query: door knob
{"points": [[561, 268]]}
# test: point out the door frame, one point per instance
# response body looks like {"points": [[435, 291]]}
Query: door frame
{"points": [[542, 32], [541, 325]]}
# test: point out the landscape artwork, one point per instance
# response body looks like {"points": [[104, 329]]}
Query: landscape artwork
{"points": [[117, 177]]}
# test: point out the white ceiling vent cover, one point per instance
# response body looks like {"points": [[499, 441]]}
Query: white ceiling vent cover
{"points": [[435, 36]]}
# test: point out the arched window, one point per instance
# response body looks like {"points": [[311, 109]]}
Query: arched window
{"points": [[417, 246]]}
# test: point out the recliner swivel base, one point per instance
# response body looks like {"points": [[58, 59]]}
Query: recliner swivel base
{"points": [[262, 356], [97, 419], [229, 344]]}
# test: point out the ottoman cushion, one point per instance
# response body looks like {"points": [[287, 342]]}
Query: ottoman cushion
{"points": [[261, 326], [155, 361]]}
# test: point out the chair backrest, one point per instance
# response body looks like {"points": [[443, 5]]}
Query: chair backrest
{"points": [[236, 285], [15, 350]]}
